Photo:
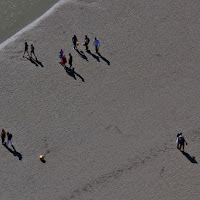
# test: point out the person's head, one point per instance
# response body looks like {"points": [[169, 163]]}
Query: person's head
{"points": [[180, 134], [95, 38], [31, 44], [85, 36], [69, 54], [25, 43], [2, 130]]}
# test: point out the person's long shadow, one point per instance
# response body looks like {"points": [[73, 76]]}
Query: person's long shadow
{"points": [[36, 62], [107, 61], [72, 73], [190, 158], [82, 55], [93, 55], [15, 153]]}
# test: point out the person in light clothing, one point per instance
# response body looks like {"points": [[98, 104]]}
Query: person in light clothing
{"points": [[96, 44]]}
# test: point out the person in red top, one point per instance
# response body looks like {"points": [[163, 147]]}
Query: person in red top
{"points": [[64, 60], [3, 136]]}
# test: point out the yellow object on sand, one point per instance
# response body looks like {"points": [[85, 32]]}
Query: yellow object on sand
{"points": [[83, 43], [41, 157], [77, 43]]}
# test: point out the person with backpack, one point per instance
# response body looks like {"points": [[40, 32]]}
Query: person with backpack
{"points": [[181, 141], [9, 137], [87, 41], [3, 136]]}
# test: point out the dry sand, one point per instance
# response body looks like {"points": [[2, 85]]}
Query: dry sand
{"points": [[110, 132]]}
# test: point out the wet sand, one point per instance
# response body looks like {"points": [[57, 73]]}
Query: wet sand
{"points": [[108, 130], [16, 14]]}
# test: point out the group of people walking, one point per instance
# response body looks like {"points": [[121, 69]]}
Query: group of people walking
{"points": [[86, 43], [3, 137], [63, 59], [32, 50]]}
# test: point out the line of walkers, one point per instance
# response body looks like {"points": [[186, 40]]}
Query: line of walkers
{"points": [[86, 42], [3, 137]]}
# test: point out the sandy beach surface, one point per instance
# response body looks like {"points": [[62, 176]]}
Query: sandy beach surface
{"points": [[108, 130]]}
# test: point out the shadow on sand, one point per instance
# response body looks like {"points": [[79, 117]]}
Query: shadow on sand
{"points": [[36, 62], [93, 55], [104, 59], [72, 73], [15, 153], [190, 158], [82, 55]]}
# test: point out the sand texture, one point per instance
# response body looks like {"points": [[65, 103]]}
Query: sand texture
{"points": [[108, 130]]}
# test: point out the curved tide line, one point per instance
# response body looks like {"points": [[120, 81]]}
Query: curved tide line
{"points": [[32, 24]]}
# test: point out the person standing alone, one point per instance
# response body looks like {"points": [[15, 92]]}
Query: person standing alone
{"points": [[182, 141]]}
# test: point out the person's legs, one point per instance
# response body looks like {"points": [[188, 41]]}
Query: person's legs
{"points": [[96, 49], [74, 45], [86, 46], [7, 143], [183, 146]]}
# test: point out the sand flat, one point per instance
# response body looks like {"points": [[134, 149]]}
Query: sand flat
{"points": [[109, 131]]}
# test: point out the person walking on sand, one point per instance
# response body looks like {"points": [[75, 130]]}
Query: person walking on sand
{"points": [[61, 55], [75, 40], [26, 49], [9, 137], [3, 136], [32, 51], [64, 60], [182, 141], [61, 52], [177, 142], [87, 40], [70, 60], [96, 44]]}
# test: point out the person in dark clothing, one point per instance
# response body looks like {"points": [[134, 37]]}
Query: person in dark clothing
{"points": [[70, 60], [3, 136], [33, 51], [9, 137], [87, 40], [75, 40], [26, 49], [182, 141]]}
